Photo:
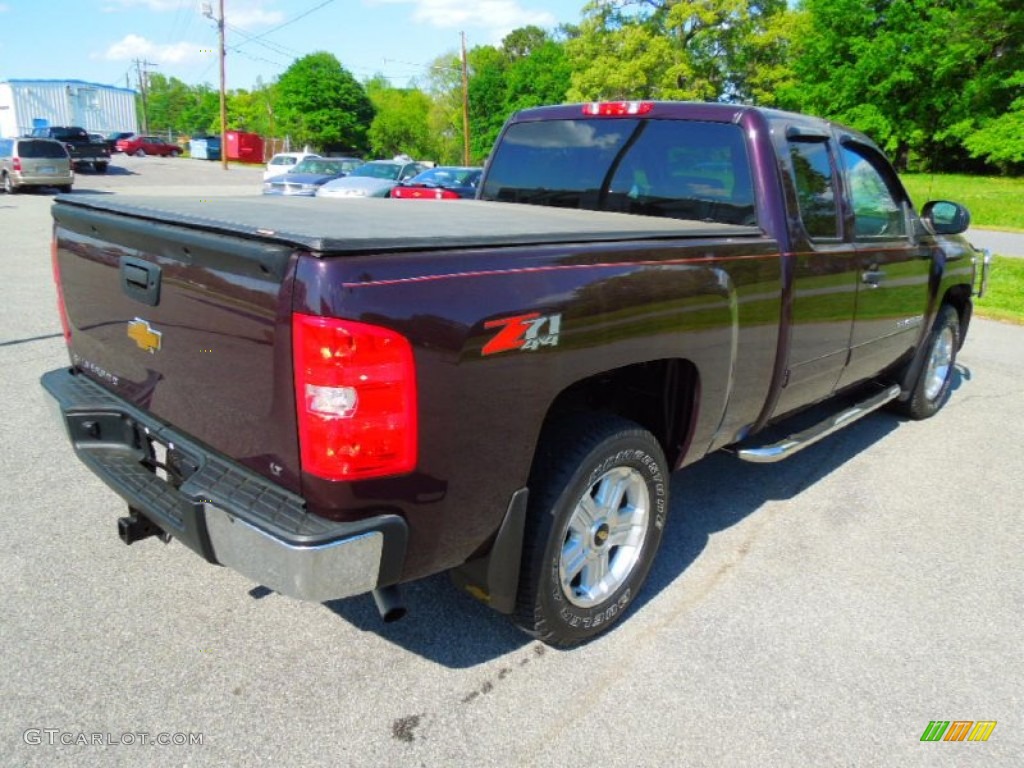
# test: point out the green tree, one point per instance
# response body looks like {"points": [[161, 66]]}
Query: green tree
{"points": [[320, 103], [253, 110], [202, 114], [1000, 140], [708, 50], [919, 76], [529, 70], [401, 123], [168, 101], [444, 87], [522, 42], [542, 77], [488, 87]]}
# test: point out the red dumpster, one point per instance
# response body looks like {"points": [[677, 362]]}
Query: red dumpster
{"points": [[245, 147]]}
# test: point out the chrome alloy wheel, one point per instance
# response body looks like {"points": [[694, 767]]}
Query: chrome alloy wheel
{"points": [[604, 537], [938, 364]]}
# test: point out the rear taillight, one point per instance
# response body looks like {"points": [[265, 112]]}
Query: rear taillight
{"points": [[16, 164], [355, 393], [617, 108], [62, 309], [423, 193]]}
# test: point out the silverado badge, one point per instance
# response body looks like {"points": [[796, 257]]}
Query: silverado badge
{"points": [[144, 336]]}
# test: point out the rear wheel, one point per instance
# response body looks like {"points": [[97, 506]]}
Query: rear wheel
{"points": [[931, 390], [100, 167], [9, 187], [598, 505], [140, 152]]}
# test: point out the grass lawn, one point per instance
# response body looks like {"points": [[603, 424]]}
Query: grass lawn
{"points": [[995, 202], [1004, 299]]}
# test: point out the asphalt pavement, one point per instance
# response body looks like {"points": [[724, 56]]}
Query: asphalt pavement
{"points": [[1002, 243], [819, 612]]}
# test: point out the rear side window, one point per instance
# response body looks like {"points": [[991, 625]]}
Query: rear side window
{"points": [[670, 168], [815, 188], [877, 200], [49, 149]]}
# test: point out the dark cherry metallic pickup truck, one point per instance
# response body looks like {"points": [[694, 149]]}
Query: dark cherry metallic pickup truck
{"points": [[83, 150], [336, 397]]}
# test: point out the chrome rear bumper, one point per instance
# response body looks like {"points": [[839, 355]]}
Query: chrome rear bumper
{"points": [[220, 509]]}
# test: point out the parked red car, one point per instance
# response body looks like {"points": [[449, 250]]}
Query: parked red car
{"points": [[441, 183], [140, 146]]}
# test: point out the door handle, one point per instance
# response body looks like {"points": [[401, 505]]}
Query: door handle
{"points": [[140, 280]]}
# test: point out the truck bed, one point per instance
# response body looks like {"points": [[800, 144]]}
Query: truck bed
{"points": [[335, 228]]}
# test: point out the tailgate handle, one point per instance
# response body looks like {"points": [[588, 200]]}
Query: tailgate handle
{"points": [[140, 280]]}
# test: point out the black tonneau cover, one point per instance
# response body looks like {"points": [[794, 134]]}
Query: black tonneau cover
{"points": [[335, 227]]}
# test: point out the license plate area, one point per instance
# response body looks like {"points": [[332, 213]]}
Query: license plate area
{"points": [[166, 461]]}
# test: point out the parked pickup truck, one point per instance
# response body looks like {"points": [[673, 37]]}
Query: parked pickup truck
{"points": [[334, 397], [81, 147]]}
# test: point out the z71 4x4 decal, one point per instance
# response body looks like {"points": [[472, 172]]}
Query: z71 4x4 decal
{"points": [[523, 332]]}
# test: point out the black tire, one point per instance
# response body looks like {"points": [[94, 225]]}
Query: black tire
{"points": [[175, 153], [581, 567], [140, 152], [65, 188], [8, 185], [100, 167], [931, 389]]}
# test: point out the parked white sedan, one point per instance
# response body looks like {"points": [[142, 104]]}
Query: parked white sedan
{"points": [[374, 179], [283, 162]]}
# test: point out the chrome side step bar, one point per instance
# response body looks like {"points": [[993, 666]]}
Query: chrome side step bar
{"points": [[785, 448]]}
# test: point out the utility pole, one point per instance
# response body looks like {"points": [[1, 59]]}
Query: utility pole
{"points": [[143, 75], [465, 104], [208, 12]]}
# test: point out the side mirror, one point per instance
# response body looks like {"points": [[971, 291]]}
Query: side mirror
{"points": [[946, 218]]}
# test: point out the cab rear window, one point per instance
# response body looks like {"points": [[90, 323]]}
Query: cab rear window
{"points": [[69, 134], [669, 168]]}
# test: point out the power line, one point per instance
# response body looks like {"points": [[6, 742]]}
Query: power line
{"points": [[254, 57], [302, 15], [270, 46], [178, 15]]}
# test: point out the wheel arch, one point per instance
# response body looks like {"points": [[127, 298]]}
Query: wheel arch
{"points": [[662, 396], [664, 400], [959, 297]]}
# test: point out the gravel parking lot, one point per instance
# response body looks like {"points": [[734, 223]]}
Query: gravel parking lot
{"points": [[818, 612]]}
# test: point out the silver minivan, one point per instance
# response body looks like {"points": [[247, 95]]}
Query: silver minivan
{"points": [[28, 162]]}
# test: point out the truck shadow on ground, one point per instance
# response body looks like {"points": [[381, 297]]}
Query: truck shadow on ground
{"points": [[450, 628], [112, 170]]}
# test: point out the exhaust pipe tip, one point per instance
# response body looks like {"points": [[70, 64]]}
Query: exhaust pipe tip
{"points": [[389, 604]]}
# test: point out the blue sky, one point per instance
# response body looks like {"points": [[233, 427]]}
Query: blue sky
{"points": [[96, 40]]}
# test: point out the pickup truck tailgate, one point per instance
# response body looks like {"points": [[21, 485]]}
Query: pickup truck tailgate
{"points": [[192, 326]]}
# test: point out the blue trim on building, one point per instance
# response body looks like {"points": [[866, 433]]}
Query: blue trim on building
{"points": [[70, 82]]}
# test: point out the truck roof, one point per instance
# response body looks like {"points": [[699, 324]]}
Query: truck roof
{"points": [[690, 110], [333, 227]]}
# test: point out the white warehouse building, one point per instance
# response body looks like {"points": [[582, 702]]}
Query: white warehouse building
{"points": [[27, 104]]}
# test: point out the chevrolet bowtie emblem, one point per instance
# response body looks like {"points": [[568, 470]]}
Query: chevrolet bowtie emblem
{"points": [[144, 336]]}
